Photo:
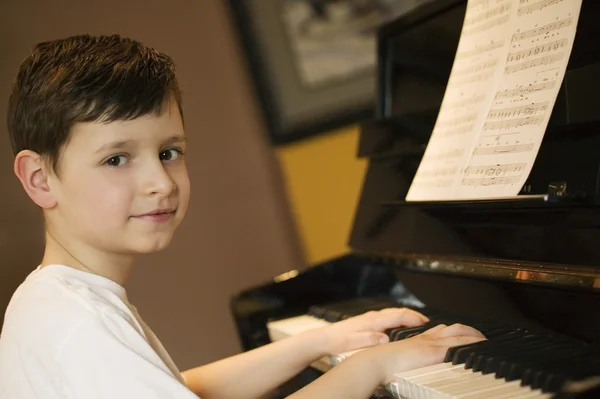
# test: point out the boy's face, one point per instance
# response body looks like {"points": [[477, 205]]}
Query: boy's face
{"points": [[122, 187]]}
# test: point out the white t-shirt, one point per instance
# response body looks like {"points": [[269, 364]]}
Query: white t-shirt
{"points": [[72, 334]]}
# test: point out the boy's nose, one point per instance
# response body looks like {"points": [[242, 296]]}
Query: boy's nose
{"points": [[159, 182]]}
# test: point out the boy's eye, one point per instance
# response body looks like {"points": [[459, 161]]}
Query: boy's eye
{"points": [[170, 154], [117, 160]]}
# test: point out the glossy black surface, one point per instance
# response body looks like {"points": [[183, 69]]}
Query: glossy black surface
{"points": [[532, 263], [413, 72], [572, 313]]}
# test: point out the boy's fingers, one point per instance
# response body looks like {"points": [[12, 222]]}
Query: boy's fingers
{"points": [[366, 339], [433, 330], [424, 318], [390, 318], [458, 340], [460, 330]]}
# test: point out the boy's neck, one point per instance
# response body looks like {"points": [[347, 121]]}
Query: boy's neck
{"points": [[112, 266]]}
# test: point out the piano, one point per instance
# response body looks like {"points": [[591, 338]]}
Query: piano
{"points": [[525, 270]]}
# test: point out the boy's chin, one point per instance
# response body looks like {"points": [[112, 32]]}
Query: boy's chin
{"points": [[150, 246]]}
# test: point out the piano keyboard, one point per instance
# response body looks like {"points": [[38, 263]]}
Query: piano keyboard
{"points": [[512, 363]]}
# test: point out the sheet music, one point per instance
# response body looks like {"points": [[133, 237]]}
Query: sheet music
{"points": [[508, 68]]}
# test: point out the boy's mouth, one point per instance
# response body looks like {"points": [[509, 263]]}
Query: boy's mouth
{"points": [[157, 215]]}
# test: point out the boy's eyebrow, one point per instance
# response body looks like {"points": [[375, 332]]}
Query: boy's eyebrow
{"points": [[124, 143], [177, 138], [113, 146]]}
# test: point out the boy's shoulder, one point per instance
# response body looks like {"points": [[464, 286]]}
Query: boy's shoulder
{"points": [[68, 328], [54, 300]]}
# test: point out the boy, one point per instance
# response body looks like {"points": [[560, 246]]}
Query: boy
{"points": [[97, 130]]}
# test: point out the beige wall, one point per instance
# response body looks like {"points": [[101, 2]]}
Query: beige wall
{"points": [[238, 231]]}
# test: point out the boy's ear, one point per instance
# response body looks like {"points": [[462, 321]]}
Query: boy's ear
{"points": [[33, 174]]}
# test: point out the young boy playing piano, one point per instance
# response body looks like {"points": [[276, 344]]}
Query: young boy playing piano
{"points": [[96, 125]]}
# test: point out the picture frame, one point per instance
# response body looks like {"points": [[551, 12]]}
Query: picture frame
{"points": [[305, 87]]}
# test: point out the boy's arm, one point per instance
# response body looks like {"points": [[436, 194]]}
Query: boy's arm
{"points": [[360, 375], [255, 373]]}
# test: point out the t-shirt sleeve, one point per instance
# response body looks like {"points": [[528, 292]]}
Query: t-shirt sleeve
{"points": [[107, 359]]}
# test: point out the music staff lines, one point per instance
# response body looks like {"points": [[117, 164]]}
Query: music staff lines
{"points": [[513, 123], [528, 109], [455, 131], [490, 181], [542, 30], [471, 69], [503, 149], [540, 49], [433, 183], [495, 170], [468, 31], [466, 79], [540, 5], [545, 60], [444, 123], [441, 172], [479, 50], [486, 15], [446, 155], [476, 3], [466, 101], [523, 91]]}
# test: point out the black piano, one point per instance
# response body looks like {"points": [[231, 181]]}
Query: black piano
{"points": [[525, 269]]}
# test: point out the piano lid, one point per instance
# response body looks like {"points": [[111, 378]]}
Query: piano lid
{"points": [[550, 233]]}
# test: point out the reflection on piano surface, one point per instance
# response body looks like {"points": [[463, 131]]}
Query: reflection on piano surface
{"points": [[526, 271]]}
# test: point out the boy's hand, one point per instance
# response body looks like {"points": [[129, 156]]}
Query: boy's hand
{"points": [[367, 330], [422, 350]]}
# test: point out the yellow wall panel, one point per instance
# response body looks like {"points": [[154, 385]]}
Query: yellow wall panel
{"points": [[324, 178]]}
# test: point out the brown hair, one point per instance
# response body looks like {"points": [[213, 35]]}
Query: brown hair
{"points": [[85, 78]]}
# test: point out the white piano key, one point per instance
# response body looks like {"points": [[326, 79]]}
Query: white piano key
{"points": [[497, 387], [457, 385], [499, 392], [480, 383], [428, 384], [537, 394], [404, 379], [426, 370], [281, 329], [414, 385]]}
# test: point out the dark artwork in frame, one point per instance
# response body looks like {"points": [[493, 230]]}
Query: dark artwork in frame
{"points": [[312, 62]]}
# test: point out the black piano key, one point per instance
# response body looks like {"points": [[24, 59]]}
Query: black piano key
{"points": [[579, 367], [460, 354], [342, 310], [476, 360], [546, 354], [560, 372], [332, 316], [546, 363], [402, 333], [494, 332], [316, 311], [500, 364], [406, 332], [554, 362], [513, 370]]}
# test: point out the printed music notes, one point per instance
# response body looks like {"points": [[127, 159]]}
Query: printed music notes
{"points": [[509, 65]]}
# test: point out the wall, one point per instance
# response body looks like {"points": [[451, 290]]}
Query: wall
{"points": [[323, 180], [239, 231]]}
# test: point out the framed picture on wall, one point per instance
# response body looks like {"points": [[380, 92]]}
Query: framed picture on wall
{"points": [[313, 61]]}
